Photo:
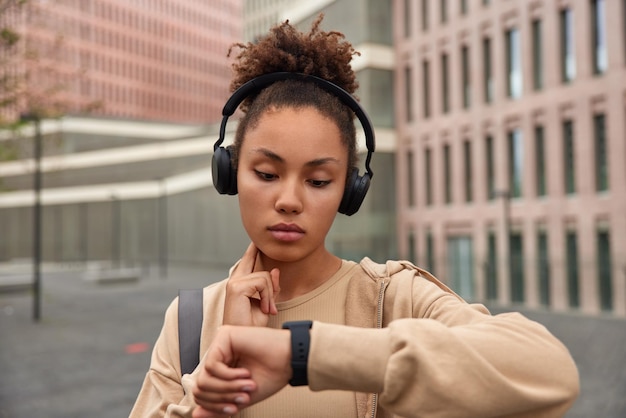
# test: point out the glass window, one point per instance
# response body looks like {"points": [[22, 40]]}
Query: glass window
{"points": [[460, 264], [465, 75], [410, 178], [469, 181], [543, 268], [601, 157], [516, 267], [407, 18], [490, 168], [408, 93], [426, 88], [447, 174], [516, 161], [487, 71], [537, 55], [571, 245], [445, 84], [605, 282], [598, 28], [430, 252], [463, 6], [412, 246], [540, 161], [428, 177], [513, 64], [568, 157], [424, 14], [568, 59], [491, 269], [444, 10]]}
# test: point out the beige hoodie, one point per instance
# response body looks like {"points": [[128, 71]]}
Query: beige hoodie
{"points": [[422, 352]]}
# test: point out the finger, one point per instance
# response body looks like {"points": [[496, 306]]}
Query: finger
{"points": [[275, 278], [248, 260], [224, 410]]}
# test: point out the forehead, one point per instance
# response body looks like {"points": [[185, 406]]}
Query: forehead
{"points": [[295, 133]]}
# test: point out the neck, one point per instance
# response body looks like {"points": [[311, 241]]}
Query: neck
{"points": [[300, 277]]}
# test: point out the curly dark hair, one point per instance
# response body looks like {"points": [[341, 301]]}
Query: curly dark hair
{"points": [[326, 55]]}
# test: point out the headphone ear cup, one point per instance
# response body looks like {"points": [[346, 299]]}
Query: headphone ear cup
{"points": [[224, 175], [354, 194]]}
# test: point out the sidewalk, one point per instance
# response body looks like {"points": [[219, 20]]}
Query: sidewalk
{"points": [[90, 352]]}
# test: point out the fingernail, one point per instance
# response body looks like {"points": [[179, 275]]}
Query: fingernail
{"points": [[246, 389], [230, 410], [239, 400]]}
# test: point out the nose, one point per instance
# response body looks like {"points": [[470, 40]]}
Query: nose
{"points": [[289, 198]]}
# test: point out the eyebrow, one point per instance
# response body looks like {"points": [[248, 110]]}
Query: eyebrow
{"points": [[313, 163]]}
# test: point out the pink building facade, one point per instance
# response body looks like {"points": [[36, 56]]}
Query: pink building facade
{"points": [[511, 149], [162, 60]]}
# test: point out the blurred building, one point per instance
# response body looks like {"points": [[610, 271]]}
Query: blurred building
{"points": [[367, 25], [161, 60], [511, 152]]}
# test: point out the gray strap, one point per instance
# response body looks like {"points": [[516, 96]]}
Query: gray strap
{"points": [[189, 328]]}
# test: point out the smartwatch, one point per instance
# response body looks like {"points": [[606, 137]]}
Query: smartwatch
{"points": [[300, 343]]}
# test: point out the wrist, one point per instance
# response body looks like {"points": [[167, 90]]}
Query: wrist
{"points": [[300, 346]]}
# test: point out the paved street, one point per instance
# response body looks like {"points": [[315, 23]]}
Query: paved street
{"points": [[88, 355]]}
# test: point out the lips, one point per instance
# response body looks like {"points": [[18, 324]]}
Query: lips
{"points": [[286, 232]]}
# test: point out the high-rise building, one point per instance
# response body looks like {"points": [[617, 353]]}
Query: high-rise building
{"points": [[162, 60], [511, 152]]}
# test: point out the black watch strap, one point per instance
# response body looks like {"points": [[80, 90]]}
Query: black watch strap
{"points": [[300, 343]]}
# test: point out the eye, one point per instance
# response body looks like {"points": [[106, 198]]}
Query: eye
{"points": [[264, 176], [319, 183]]}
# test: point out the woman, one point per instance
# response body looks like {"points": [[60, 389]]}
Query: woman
{"points": [[382, 340]]}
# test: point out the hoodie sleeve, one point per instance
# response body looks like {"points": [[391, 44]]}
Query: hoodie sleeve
{"points": [[451, 359]]}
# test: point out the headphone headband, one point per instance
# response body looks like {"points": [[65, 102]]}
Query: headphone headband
{"points": [[259, 83]]}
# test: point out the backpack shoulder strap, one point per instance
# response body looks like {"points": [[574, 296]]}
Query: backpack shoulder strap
{"points": [[189, 328]]}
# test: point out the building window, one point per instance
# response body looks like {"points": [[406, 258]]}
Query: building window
{"points": [[571, 256], [443, 10], [430, 252], [516, 161], [516, 267], [490, 168], [445, 84], [605, 281], [428, 177], [426, 88], [491, 267], [543, 268], [424, 14], [408, 93], [598, 32], [465, 75], [412, 246], [463, 6], [568, 59], [540, 161], [600, 150], [407, 18], [513, 64], [486, 2], [568, 157], [537, 55], [460, 264], [469, 181], [487, 71], [410, 179], [447, 174]]}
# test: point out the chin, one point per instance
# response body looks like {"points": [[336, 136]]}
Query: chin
{"points": [[285, 253]]}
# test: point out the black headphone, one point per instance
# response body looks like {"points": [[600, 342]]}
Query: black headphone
{"points": [[225, 175]]}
